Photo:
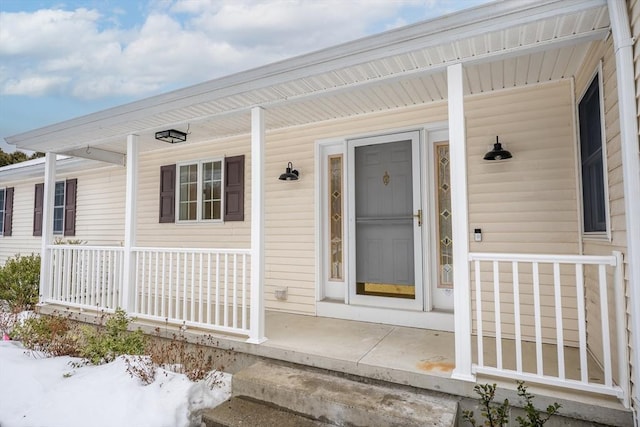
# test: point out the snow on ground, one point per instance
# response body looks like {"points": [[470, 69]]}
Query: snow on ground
{"points": [[36, 391]]}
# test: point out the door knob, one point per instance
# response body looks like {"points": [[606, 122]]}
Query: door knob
{"points": [[419, 216]]}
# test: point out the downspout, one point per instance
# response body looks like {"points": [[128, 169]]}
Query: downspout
{"points": [[630, 151]]}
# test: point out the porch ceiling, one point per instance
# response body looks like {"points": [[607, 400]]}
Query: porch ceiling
{"points": [[501, 45]]}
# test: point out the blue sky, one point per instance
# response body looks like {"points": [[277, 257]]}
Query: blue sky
{"points": [[67, 58]]}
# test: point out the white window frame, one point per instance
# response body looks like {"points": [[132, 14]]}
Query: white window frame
{"points": [[53, 213], [199, 191], [3, 205], [594, 235]]}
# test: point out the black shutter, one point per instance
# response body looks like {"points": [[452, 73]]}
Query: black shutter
{"points": [[8, 211], [234, 188], [37, 210], [71, 187], [167, 193]]}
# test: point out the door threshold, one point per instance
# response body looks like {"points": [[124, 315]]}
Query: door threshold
{"points": [[436, 320]]}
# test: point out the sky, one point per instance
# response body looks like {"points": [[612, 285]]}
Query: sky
{"points": [[67, 58]]}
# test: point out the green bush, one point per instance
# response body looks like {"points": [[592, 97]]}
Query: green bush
{"points": [[52, 335], [104, 344], [19, 281]]}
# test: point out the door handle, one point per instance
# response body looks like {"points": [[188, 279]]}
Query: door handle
{"points": [[419, 216]]}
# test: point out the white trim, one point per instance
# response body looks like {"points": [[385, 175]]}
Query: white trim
{"points": [[577, 166], [199, 194], [257, 309], [433, 320], [627, 92], [595, 235], [130, 208], [47, 224], [460, 220]]}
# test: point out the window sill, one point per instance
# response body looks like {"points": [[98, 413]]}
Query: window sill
{"points": [[597, 237]]}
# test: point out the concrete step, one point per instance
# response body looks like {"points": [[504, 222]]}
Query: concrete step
{"points": [[341, 401], [239, 411]]}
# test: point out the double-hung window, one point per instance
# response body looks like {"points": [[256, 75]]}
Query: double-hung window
{"points": [[592, 158], [58, 208], [6, 211], [200, 191]]}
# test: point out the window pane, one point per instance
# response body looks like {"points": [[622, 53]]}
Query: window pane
{"points": [[445, 226], [335, 217], [593, 194], [2, 191], [59, 194], [211, 190], [58, 220], [188, 192]]}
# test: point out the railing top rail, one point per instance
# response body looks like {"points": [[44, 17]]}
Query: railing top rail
{"points": [[87, 247], [545, 258], [192, 250]]}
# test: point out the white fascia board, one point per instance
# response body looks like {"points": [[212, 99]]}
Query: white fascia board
{"points": [[35, 168], [479, 20]]}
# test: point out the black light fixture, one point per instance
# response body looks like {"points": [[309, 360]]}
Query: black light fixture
{"points": [[497, 153], [171, 136], [290, 174]]}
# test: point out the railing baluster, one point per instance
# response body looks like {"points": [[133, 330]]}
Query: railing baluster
{"points": [[538, 319], [497, 313], [200, 314], [177, 313], [582, 323], [235, 290], [516, 314], [226, 290], [149, 283], [164, 269], [170, 305], [604, 314], [217, 289], [184, 287], [244, 291], [479, 334], [209, 288], [155, 281], [192, 315], [559, 321]]}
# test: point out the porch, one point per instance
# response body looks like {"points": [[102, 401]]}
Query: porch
{"points": [[528, 319]]}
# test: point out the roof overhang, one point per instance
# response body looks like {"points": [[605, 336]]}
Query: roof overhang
{"points": [[503, 44]]}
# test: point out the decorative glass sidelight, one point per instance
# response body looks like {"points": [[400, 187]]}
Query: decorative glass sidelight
{"points": [[444, 226], [336, 218]]}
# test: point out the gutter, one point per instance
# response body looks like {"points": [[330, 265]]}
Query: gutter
{"points": [[630, 151]]}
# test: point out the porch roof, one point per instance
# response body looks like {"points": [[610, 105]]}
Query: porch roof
{"points": [[501, 45]]}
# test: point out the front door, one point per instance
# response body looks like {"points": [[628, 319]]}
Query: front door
{"points": [[385, 218]]}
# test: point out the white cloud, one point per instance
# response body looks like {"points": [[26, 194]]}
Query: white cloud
{"points": [[83, 53]]}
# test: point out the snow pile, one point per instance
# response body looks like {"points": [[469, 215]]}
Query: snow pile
{"points": [[50, 392]]}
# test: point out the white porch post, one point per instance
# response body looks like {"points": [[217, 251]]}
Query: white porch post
{"points": [[257, 326], [129, 268], [47, 224], [623, 43], [460, 220]]}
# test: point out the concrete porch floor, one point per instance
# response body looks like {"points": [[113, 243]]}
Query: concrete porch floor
{"points": [[419, 358]]}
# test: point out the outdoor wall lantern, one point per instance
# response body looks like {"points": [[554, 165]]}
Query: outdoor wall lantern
{"points": [[171, 136], [498, 153], [290, 174]]}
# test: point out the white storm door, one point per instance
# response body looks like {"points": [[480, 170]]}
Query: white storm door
{"points": [[385, 220]]}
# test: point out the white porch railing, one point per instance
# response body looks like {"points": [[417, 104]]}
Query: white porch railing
{"points": [[85, 276], [545, 306], [205, 288]]}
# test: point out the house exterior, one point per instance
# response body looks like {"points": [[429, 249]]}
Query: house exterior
{"points": [[396, 216]]}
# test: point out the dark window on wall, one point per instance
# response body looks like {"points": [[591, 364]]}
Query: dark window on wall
{"points": [[6, 211], [591, 157], [205, 191], [64, 208]]}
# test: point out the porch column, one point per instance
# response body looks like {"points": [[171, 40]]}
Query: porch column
{"points": [[129, 267], [256, 333], [460, 221], [47, 224], [623, 43]]}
